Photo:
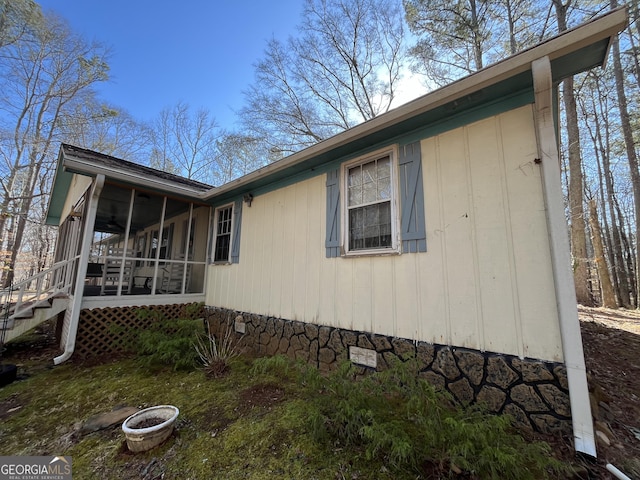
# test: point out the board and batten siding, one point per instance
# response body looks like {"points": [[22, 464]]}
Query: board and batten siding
{"points": [[485, 281]]}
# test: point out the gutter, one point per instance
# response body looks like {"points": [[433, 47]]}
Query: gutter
{"points": [[83, 262]]}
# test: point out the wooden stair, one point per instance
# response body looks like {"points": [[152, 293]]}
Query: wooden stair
{"points": [[31, 315]]}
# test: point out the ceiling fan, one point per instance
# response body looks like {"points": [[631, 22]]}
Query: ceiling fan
{"points": [[113, 225]]}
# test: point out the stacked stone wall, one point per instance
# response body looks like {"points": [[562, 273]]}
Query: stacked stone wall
{"points": [[533, 392]]}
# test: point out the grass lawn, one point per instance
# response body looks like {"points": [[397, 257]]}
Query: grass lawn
{"points": [[264, 419], [241, 426]]}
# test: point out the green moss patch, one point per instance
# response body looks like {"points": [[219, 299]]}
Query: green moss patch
{"points": [[265, 419]]}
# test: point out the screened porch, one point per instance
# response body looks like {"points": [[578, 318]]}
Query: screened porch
{"points": [[145, 243]]}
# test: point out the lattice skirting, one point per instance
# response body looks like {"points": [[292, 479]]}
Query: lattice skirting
{"points": [[101, 330]]}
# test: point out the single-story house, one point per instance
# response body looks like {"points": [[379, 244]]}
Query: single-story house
{"points": [[436, 230]]}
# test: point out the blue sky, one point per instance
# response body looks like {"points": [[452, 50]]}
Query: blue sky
{"points": [[197, 51]]}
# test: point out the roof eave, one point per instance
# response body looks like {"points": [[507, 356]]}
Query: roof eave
{"points": [[76, 165], [61, 182], [555, 48]]}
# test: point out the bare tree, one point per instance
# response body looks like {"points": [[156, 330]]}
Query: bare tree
{"points": [[596, 101], [184, 142], [608, 295], [454, 36], [459, 37], [161, 138], [41, 75], [630, 149], [576, 177], [342, 69], [17, 19], [107, 129], [526, 24], [238, 154]]}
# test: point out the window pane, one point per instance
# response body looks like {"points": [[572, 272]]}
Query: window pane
{"points": [[370, 182], [384, 168], [355, 185], [370, 226], [355, 195], [223, 235], [384, 188], [222, 248], [355, 176]]}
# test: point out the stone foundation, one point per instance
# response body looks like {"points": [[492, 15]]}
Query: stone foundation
{"points": [[533, 392]]}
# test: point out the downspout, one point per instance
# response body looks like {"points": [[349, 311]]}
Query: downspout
{"points": [[584, 438], [83, 261]]}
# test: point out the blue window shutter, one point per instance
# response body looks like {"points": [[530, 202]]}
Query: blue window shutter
{"points": [[412, 226], [332, 242], [235, 235]]}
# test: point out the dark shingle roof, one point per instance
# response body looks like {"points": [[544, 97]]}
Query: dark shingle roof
{"points": [[130, 167]]}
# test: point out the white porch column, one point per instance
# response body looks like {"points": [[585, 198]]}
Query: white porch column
{"points": [[561, 258], [83, 261]]}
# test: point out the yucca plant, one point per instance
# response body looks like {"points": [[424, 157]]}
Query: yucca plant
{"points": [[216, 354]]}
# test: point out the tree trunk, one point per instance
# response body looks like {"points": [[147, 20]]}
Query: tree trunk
{"points": [[632, 157], [608, 295], [613, 241], [25, 205], [576, 207], [475, 28], [609, 242], [576, 180], [513, 46], [621, 272]]}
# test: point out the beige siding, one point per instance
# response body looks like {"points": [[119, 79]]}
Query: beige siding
{"points": [[78, 187], [484, 283]]}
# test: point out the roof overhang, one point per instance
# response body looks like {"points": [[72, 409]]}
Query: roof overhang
{"points": [[571, 52], [74, 160], [61, 185]]}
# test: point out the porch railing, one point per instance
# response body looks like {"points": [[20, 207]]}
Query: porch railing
{"points": [[21, 296], [123, 274]]}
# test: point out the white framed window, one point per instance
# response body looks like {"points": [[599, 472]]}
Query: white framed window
{"points": [[222, 234], [370, 224], [164, 243]]}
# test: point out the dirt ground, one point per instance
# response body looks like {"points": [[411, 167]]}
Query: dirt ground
{"points": [[611, 340]]}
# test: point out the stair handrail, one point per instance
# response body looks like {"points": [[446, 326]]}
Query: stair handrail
{"points": [[42, 286]]}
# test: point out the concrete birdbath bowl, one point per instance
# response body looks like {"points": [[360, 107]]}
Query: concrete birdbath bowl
{"points": [[150, 427]]}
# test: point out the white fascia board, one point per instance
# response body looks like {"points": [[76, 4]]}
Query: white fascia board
{"points": [[556, 47], [75, 165]]}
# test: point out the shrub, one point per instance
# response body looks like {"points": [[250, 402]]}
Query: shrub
{"points": [[165, 342], [400, 419]]}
